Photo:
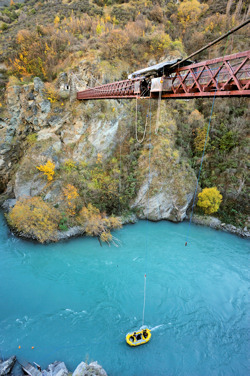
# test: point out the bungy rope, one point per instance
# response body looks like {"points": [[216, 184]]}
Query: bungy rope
{"points": [[158, 109], [136, 124], [146, 256], [203, 153]]}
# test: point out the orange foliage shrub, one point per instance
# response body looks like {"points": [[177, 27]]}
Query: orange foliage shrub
{"points": [[34, 217]]}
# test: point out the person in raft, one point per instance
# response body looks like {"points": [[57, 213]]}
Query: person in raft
{"points": [[145, 334], [133, 337], [138, 337]]}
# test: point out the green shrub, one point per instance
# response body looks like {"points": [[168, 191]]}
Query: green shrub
{"points": [[31, 138], [63, 223], [4, 26]]}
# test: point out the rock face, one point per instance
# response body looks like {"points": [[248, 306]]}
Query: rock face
{"points": [[165, 204], [78, 133], [7, 365]]}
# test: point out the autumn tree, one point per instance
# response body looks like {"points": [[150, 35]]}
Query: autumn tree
{"points": [[36, 218], [115, 44], [200, 139], [96, 224], [189, 11], [29, 55], [209, 200], [48, 169], [104, 184], [38, 52], [70, 194], [56, 20]]}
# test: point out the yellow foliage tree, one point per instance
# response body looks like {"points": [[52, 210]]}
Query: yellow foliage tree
{"points": [[99, 29], [34, 217], [28, 59], [48, 169], [189, 11], [200, 139], [51, 92], [209, 200], [70, 194], [56, 20]]}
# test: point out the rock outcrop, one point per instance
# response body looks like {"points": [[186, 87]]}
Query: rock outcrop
{"points": [[7, 365]]}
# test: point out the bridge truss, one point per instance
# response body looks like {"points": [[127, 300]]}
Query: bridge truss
{"points": [[222, 77]]}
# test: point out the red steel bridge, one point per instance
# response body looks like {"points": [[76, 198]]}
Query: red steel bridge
{"points": [[227, 76]]}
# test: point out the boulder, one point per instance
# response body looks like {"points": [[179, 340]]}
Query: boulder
{"points": [[28, 188], [80, 370], [30, 96], [97, 369], [9, 204], [168, 203], [72, 232], [45, 106], [7, 365], [56, 369], [129, 218], [38, 84], [17, 370], [92, 369]]}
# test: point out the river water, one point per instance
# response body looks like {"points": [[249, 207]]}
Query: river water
{"points": [[75, 301]]}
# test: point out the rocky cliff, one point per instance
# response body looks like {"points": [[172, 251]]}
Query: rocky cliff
{"points": [[37, 127]]}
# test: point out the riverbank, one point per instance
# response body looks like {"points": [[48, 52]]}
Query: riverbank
{"points": [[131, 218], [216, 224]]}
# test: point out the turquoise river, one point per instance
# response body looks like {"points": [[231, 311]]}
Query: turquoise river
{"points": [[75, 301]]}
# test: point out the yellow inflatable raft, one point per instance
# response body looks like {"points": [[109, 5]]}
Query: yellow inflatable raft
{"points": [[138, 338]]}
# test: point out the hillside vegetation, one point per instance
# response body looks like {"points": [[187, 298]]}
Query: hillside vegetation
{"points": [[113, 38]]}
